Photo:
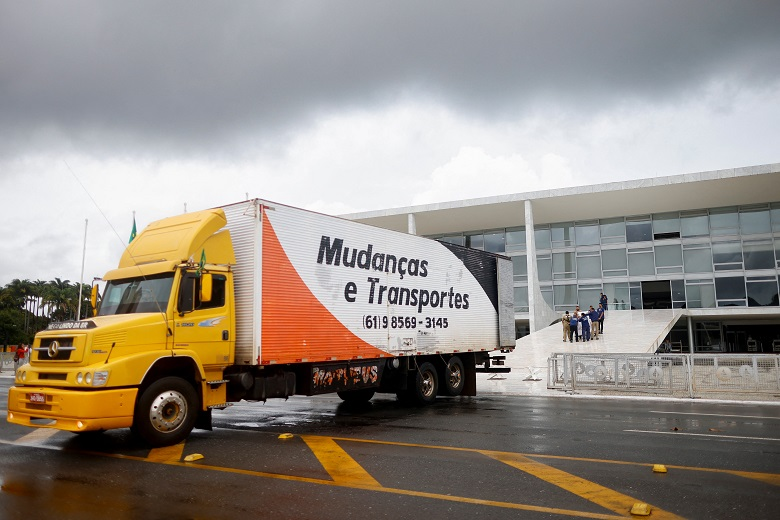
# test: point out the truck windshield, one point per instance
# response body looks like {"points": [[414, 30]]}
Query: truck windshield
{"points": [[136, 295]]}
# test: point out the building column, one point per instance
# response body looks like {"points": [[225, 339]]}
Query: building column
{"points": [[690, 335], [539, 313], [530, 258], [411, 224]]}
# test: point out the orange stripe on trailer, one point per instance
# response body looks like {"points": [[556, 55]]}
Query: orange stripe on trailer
{"points": [[296, 324]]}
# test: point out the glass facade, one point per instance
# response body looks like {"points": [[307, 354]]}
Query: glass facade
{"points": [[712, 257]]}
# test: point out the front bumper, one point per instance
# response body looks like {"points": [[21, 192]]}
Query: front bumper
{"points": [[72, 410]]}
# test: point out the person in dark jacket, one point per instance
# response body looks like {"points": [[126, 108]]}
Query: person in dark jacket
{"points": [[573, 327], [585, 321], [594, 322]]}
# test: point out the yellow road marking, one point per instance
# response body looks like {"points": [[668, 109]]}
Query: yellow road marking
{"points": [[38, 435], [769, 478], [596, 493], [394, 491], [342, 468], [167, 454], [348, 479]]}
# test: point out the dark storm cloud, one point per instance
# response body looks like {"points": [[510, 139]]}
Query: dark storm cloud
{"points": [[184, 74]]}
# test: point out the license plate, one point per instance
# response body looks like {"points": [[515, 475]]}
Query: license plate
{"points": [[37, 397]]}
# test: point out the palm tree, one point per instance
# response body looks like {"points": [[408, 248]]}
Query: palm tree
{"points": [[59, 298]]}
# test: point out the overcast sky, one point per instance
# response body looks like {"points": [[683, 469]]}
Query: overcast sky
{"points": [[110, 107]]}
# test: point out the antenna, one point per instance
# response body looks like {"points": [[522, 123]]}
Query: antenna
{"points": [[165, 317], [83, 258]]}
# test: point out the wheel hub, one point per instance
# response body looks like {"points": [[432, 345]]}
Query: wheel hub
{"points": [[168, 411]]}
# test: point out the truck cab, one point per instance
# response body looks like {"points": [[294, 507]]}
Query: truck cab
{"points": [[153, 356]]}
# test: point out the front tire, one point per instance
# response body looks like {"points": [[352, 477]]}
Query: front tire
{"points": [[166, 412]]}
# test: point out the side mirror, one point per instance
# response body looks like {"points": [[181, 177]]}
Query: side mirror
{"points": [[93, 298], [206, 285]]}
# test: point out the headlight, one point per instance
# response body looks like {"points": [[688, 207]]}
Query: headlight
{"points": [[79, 378], [24, 376], [88, 378], [100, 378]]}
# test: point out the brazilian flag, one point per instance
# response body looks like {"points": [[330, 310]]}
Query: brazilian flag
{"points": [[202, 263], [133, 232]]}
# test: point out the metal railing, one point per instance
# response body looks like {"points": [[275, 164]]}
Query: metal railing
{"points": [[677, 375], [8, 364]]}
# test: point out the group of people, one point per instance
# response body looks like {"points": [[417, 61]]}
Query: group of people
{"points": [[588, 324]]}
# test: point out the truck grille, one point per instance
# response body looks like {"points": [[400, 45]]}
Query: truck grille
{"points": [[54, 349]]}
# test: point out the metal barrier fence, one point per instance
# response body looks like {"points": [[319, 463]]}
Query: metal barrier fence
{"points": [[7, 363], [677, 375]]}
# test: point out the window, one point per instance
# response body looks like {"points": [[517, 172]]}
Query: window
{"points": [[678, 294], [640, 261], [639, 230], [730, 291], [668, 259], [515, 240], [613, 231], [759, 254], [774, 213], [544, 267], [542, 237], [521, 299], [635, 291], [520, 268], [700, 294], [588, 264], [457, 239], [587, 234], [588, 295], [189, 293], [618, 295], [137, 295], [562, 235], [694, 224], [494, 242], [666, 226], [547, 294], [697, 258], [724, 221], [762, 291], [565, 297], [614, 262], [754, 220], [727, 256], [475, 241], [563, 266]]}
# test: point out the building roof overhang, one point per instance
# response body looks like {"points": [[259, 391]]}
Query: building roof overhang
{"points": [[692, 191]]}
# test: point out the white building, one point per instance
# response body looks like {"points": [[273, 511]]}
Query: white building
{"points": [[706, 243]]}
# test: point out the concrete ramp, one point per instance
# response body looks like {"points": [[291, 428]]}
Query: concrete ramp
{"points": [[638, 331]]}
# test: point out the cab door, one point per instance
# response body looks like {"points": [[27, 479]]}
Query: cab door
{"points": [[204, 325]]}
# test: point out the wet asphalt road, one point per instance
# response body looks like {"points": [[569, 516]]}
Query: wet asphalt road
{"points": [[483, 457]]}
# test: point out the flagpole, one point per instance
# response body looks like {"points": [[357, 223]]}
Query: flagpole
{"points": [[83, 258]]}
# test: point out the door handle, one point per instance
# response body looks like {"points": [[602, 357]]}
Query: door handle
{"points": [[225, 335]]}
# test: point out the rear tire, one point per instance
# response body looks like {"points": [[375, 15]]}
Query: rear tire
{"points": [[426, 385], [166, 412], [454, 376]]}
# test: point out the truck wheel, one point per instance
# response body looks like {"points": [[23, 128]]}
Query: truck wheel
{"points": [[454, 376], [426, 385], [166, 412], [362, 395]]}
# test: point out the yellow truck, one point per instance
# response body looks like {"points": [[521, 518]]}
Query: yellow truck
{"points": [[257, 300]]}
